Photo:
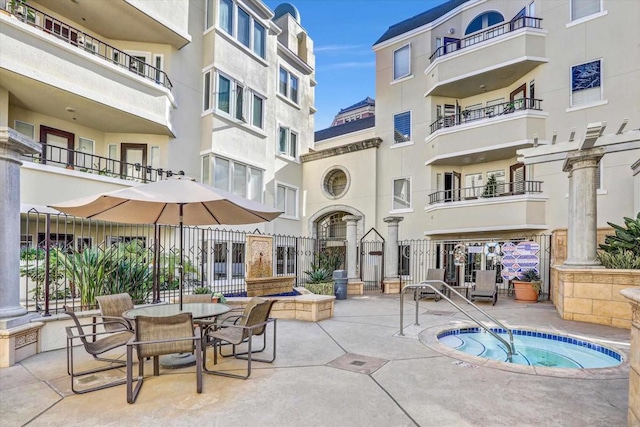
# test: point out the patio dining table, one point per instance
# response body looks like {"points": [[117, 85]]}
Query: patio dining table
{"points": [[197, 310]]}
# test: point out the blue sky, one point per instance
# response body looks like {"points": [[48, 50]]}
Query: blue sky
{"points": [[343, 33]]}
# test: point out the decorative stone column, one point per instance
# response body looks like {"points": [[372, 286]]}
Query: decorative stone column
{"points": [[354, 284], [391, 280], [18, 338], [583, 207], [12, 146], [633, 417]]}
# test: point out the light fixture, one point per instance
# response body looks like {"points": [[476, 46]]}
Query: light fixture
{"points": [[70, 109], [452, 30]]}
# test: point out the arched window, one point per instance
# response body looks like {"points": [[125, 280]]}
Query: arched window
{"points": [[485, 20]]}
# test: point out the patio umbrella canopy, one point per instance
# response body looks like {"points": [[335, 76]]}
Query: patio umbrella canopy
{"points": [[159, 203], [175, 201]]}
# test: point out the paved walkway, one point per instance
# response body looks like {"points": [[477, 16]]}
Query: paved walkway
{"points": [[396, 381]]}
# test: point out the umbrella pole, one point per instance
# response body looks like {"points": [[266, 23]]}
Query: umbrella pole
{"points": [[180, 269]]}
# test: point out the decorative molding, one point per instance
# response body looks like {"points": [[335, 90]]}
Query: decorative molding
{"points": [[343, 149], [25, 339]]}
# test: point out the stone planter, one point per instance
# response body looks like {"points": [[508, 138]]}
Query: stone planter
{"points": [[525, 292]]}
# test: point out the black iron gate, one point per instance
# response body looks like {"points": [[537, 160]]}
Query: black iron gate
{"points": [[372, 261]]}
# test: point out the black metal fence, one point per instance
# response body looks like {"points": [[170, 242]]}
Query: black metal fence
{"points": [[66, 260], [461, 258]]}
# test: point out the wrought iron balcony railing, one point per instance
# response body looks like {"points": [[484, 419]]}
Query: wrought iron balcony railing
{"points": [[499, 189], [87, 42], [90, 163], [471, 115], [488, 34]]}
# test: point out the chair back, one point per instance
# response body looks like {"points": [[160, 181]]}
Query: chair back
{"points": [[485, 280], [113, 306], [149, 328], [196, 298], [68, 311], [435, 274], [256, 311]]}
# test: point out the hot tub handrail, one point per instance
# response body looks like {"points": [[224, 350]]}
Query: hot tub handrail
{"points": [[428, 284]]}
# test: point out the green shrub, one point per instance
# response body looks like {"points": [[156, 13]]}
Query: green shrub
{"points": [[200, 290], [320, 288], [319, 275], [619, 259], [622, 250]]}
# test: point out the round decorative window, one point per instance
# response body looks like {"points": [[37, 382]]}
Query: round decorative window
{"points": [[336, 182]]}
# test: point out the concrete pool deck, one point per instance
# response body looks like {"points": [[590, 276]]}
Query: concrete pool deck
{"points": [[395, 381]]}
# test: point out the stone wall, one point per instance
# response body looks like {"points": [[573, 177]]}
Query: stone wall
{"points": [[593, 295], [633, 296]]}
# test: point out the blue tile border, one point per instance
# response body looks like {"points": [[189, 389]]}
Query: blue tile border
{"points": [[543, 335]]}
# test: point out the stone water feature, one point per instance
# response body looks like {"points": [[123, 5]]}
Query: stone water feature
{"points": [[259, 278]]}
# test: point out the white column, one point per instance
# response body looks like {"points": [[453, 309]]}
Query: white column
{"points": [[12, 146], [583, 207], [352, 247], [391, 247]]}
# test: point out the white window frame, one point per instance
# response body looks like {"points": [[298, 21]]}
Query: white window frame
{"points": [[290, 76], [572, 19], [31, 125], [406, 46], [255, 94], [297, 198], [152, 149], [393, 195], [253, 20], [409, 141], [586, 104], [287, 153], [230, 175], [158, 63], [208, 8], [207, 94]]}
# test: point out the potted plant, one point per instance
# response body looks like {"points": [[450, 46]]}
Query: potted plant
{"points": [[319, 281], [527, 286], [215, 296]]}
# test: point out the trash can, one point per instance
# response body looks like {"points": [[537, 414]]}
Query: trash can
{"points": [[340, 284]]}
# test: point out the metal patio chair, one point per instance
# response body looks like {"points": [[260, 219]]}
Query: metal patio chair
{"points": [[157, 336], [432, 274], [241, 329], [485, 286], [112, 307], [96, 344]]}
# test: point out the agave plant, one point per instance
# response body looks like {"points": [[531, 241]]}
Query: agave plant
{"points": [[318, 275], [622, 250], [625, 239]]}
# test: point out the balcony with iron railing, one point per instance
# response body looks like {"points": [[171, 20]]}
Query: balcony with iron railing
{"points": [[82, 40], [489, 191], [471, 115], [488, 34], [518, 205], [488, 60], [98, 165]]}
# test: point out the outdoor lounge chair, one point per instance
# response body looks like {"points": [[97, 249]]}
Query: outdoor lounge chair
{"points": [[432, 274], [196, 298], [485, 286], [157, 336], [236, 330], [112, 307], [96, 344]]}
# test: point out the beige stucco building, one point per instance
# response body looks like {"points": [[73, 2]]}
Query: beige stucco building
{"points": [[127, 92], [460, 89]]}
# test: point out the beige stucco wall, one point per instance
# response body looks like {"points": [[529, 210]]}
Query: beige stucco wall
{"points": [[360, 194], [171, 13]]}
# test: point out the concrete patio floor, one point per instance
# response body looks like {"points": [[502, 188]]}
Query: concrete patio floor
{"points": [[396, 381]]}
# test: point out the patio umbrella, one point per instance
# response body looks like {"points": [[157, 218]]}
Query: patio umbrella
{"points": [[175, 201]]}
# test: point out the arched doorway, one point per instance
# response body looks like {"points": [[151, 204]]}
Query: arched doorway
{"points": [[331, 234]]}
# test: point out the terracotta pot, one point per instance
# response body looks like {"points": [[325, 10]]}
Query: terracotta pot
{"points": [[525, 292], [214, 299]]}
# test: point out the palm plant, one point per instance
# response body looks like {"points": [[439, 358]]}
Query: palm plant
{"points": [[87, 272]]}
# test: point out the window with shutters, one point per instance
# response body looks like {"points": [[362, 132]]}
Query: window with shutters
{"points": [[583, 8], [402, 127], [402, 62], [586, 83]]}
